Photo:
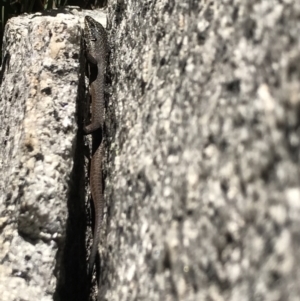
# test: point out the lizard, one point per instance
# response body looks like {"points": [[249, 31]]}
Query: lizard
{"points": [[96, 54]]}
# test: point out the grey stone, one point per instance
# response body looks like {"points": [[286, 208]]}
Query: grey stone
{"points": [[42, 184], [203, 164]]}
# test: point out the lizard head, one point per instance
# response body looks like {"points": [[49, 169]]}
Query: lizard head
{"points": [[95, 36], [92, 28]]}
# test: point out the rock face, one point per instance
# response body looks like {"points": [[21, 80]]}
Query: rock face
{"points": [[202, 164], [38, 103], [203, 169], [42, 183]]}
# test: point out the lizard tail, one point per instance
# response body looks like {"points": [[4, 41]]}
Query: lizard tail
{"points": [[97, 195], [94, 248]]}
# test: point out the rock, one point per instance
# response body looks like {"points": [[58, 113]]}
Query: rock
{"points": [[203, 168]]}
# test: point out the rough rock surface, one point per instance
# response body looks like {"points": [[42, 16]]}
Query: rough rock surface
{"points": [[203, 177], [42, 182], [202, 165]]}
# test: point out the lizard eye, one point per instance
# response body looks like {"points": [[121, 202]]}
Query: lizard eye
{"points": [[93, 34]]}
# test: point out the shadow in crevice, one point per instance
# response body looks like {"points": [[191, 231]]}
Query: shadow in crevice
{"points": [[72, 284]]}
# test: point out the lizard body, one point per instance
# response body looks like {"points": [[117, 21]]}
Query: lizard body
{"points": [[96, 46]]}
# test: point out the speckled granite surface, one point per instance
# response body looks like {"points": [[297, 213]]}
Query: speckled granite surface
{"points": [[203, 175]]}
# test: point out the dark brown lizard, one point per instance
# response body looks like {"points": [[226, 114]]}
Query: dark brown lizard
{"points": [[96, 53]]}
